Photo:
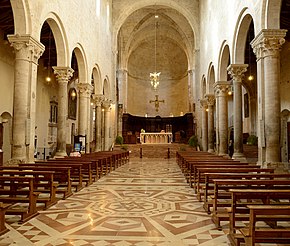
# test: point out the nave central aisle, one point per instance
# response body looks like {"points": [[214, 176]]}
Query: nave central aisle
{"points": [[144, 202]]}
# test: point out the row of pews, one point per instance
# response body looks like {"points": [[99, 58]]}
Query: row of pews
{"points": [[254, 201], [27, 188]]}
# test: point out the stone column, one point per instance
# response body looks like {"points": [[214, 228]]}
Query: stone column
{"points": [[221, 92], [123, 88], [267, 45], [106, 106], [210, 105], [204, 130], [85, 90], [237, 73], [98, 121], [63, 75], [191, 89], [27, 52]]}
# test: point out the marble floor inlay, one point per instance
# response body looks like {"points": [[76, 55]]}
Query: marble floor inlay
{"points": [[144, 203]]}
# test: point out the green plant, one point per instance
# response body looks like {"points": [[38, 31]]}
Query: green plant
{"points": [[252, 140], [193, 141], [119, 140]]}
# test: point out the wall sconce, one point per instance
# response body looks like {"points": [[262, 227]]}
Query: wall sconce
{"points": [[231, 90], [73, 94]]}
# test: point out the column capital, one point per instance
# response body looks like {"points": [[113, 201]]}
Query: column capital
{"points": [[107, 103], [98, 99], [221, 88], [26, 47], [210, 98], [203, 103], [237, 71], [268, 42], [85, 89], [63, 74]]}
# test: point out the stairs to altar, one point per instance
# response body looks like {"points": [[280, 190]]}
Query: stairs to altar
{"points": [[155, 150]]}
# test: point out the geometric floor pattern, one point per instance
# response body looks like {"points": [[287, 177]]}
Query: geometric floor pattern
{"points": [[144, 203]]}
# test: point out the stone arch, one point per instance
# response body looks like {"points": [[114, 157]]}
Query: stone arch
{"points": [[210, 79], [57, 28], [271, 14], [21, 15], [106, 88], [97, 79], [224, 60], [82, 63], [240, 36], [171, 4]]}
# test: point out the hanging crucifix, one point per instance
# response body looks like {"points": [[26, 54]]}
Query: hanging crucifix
{"points": [[156, 101]]}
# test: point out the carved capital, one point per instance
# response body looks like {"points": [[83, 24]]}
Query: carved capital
{"points": [[85, 89], [236, 71], [63, 74], [26, 47], [268, 42], [221, 88], [107, 104], [210, 98], [98, 99], [203, 103]]}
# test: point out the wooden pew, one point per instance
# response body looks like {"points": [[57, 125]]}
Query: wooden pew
{"points": [[240, 198], [244, 169], [210, 177], [257, 234], [76, 171], [191, 172], [43, 183], [200, 180], [19, 190], [61, 176], [222, 196], [3, 208]]}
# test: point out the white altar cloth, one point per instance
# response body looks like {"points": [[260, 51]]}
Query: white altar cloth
{"points": [[156, 137]]}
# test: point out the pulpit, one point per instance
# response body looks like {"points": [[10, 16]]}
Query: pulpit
{"points": [[155, 137]]}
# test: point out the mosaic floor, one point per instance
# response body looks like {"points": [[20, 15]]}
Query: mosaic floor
{"points": [[142, 203]]}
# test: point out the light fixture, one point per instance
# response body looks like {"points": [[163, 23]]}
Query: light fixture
{"points": [[73, 94], [230, 91], [48, 78], [154, 77]]}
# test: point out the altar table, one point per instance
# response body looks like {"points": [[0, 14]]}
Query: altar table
{"points": [[156, 137]]}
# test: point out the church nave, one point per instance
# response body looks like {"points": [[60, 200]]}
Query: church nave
{"points": [[144, 202]]}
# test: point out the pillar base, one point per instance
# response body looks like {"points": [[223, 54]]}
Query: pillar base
{"points": [[60, 154], [210, 151], [280, 167], [239, 157]]}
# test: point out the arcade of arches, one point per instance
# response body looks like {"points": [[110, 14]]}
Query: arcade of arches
{"points": [[73, 68]]}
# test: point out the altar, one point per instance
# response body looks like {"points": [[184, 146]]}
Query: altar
{"points": [[155, 137]]}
